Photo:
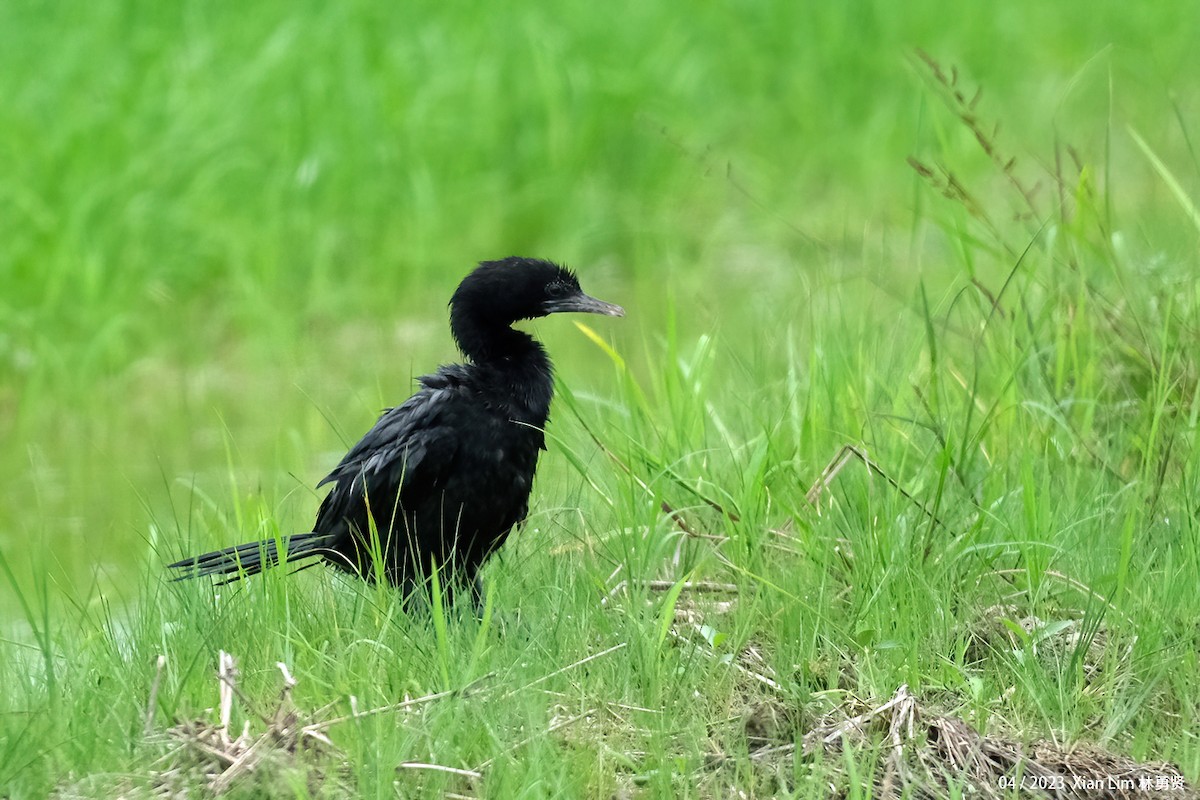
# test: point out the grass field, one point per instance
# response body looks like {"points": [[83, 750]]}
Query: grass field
{"points": [[965, 247]]}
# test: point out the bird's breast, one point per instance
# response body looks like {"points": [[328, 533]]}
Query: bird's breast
{"points": [[505, 448]]}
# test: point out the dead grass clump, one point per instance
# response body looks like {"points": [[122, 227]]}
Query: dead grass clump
{"points": [[908, 751], [280, 748], [284, 750], [1001, 629]]}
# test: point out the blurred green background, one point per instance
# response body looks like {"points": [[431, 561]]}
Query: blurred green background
{"points": [[228, 230]]}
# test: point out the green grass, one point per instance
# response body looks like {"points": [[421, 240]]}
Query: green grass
{"points": [[227, 236]]}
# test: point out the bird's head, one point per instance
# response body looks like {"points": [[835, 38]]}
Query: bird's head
{"points": [[514, 288]]}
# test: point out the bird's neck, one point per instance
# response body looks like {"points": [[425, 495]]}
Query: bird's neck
{"points": [[512, 359], [486, 341]]}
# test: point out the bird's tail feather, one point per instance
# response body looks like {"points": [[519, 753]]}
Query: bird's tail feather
{"points": [[251, 558]]}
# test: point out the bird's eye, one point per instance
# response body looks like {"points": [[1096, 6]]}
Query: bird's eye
{"points": [[556, 289]]}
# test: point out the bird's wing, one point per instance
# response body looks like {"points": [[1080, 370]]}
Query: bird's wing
{"points": [[409, 448]]}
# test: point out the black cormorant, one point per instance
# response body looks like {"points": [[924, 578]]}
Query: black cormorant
{"points": [[442, 479]]}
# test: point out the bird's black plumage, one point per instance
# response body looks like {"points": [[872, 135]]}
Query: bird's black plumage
{"points": [[442, 479]]}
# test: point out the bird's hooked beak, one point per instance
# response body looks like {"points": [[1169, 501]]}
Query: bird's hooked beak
{"points": [[583, 304]]}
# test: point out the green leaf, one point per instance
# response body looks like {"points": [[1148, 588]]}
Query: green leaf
{"points": [[667, 611]]}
